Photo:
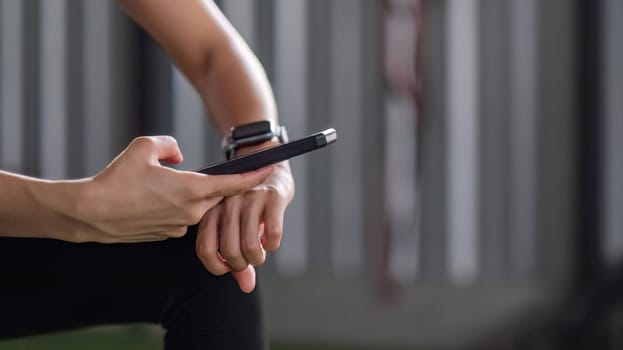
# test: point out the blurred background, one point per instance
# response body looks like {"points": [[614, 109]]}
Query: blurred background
{"points": [[473, 200]]}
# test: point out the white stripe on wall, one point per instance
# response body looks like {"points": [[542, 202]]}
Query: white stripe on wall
{"points": [[613, 129], [347, 230], [291, 92], [400, 188], [524, 90], [97, 85], [11, 112], [462, 85], [189, 121], [53, 88]]}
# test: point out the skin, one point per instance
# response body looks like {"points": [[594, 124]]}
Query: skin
{"points": [[235, 235], [136, 199]]}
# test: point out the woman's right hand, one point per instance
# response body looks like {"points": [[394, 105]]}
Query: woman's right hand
{"points": [[136, 199]]}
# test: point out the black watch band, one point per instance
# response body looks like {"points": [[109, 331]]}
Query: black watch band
{"points": [[252, 134]]}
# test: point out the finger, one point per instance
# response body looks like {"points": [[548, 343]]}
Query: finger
{"points": [[230, 234], [249, 234], [207, 243], [230, 185], [245, 279], [273, 225], [157, 148]]}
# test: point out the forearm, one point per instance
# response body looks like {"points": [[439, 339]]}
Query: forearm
{"points": [[234, 85], [32, 207], [212, 55], [134, 199]]}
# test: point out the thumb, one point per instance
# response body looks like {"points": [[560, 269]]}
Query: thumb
{"points": [[245, 279], [229, 185], [158, 148]]}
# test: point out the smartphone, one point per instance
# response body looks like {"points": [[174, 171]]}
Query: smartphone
{"points": [[272, 155]]}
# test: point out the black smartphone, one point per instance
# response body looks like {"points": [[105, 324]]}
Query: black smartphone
{"points": [[272, 155]]}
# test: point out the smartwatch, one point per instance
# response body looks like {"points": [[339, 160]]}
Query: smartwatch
{"points": [[252, 134]]}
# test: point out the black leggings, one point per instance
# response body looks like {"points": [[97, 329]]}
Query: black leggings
{"points": [[49, 285]]}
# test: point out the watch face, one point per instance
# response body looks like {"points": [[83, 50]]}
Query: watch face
{"points": [[252, 129]]}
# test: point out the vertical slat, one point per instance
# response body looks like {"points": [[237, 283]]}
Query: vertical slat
{"points": [[74, 66], [373, 133], [433, 147], [188, 121], [264, 37], [31, 70], [291, 92], [613, 129], [11, 112], [524, 90], [493, 135], [346, 102], [463, 158], [400, 167], [320, 215], [53, 89], [157, 78], [557, 155], [97, 85]]}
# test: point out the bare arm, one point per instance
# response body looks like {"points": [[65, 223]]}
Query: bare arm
{"points": [[234, 87], [212, 55], [134, 199], [37, 208]]}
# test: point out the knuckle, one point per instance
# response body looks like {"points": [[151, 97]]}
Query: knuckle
{"points": [[238, 266], [258, 260], [143, 142], [274, 233], [169, 139], [234, 259], [254, 256], [204, 250], [232, 203], [229, 254], [250, 249], [208, 257], [248, 204], [227, 219]]}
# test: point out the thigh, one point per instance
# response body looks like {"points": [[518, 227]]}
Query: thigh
{"points": [[49, 285]]}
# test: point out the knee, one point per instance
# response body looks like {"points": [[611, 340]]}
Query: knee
{"points": [[217, 315]]}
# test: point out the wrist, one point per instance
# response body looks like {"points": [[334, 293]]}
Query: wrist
{"points": [[253, 136], [64, 207]]}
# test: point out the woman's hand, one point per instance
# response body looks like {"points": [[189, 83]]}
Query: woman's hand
{"points": [[235, 235], [136, 199]]}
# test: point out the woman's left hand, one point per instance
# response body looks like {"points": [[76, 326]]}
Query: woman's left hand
{"points": [[235, 235]]}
